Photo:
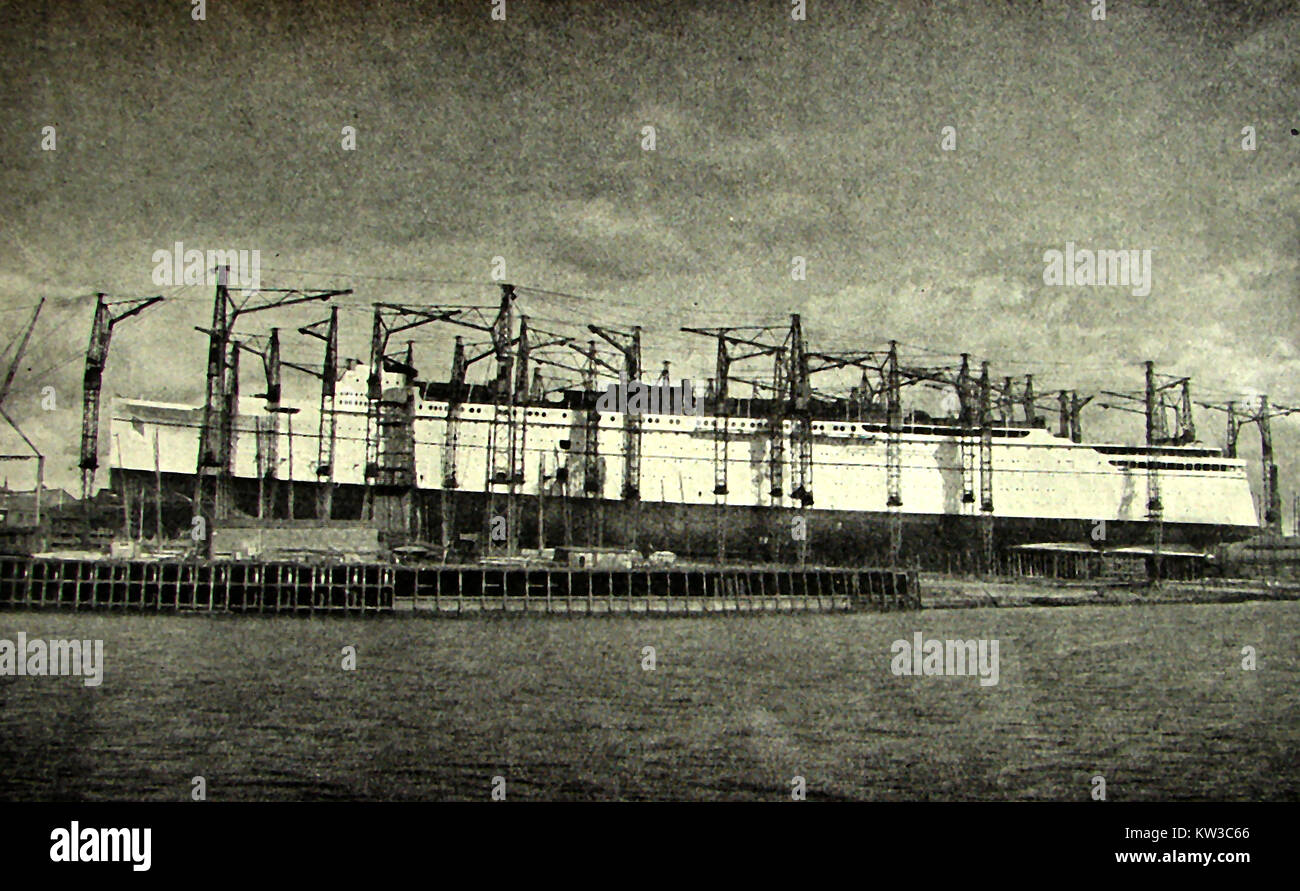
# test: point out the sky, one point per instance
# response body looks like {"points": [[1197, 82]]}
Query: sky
{"points": [[775, 138]]}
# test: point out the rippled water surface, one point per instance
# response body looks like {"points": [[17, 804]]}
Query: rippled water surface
{"points": [[1153, 698]]}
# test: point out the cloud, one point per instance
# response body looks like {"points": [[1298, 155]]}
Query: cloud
{"points": [[775, 139]]}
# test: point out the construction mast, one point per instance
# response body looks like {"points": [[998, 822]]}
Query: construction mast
{"points": [[893, 455], [1260, 415], [211, 494], [800, 395], [107, 315], [986, 469], [390, 438], [758, 341], [4, 394], [268, 350], [628, 343], [328, 423]]}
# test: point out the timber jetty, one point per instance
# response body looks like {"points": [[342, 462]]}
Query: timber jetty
{"points": [[260, 587]]}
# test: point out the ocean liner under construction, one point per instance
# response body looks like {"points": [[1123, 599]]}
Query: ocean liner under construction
{"points": [[789, 471]]}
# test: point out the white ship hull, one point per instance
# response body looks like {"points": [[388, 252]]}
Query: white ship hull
{"points": [[1044, 487]]}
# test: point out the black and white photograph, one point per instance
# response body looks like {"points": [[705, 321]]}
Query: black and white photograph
{"points": [[491, 402]]}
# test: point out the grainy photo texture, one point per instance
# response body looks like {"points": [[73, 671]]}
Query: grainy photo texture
{"points": [[774, 401]]}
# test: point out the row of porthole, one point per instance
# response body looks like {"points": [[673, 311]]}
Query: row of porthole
{"points": [[1165, 465], [540, 413], [850, 428], [752, 425]]}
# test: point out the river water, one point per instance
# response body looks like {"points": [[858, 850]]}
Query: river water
{"points": [[1153, 698]]}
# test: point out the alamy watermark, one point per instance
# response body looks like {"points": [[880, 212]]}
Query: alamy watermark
{"points": [[40, 658], [1086, 267], [637, 398], [960, 658], [178, 266], [91, 845]]}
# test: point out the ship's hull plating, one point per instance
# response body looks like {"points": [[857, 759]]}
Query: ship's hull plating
{"points": [[690, 531], [699, 480]]}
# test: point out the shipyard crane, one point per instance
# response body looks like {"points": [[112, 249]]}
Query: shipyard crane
{"points": [[508, 389], [1155, 406], [328, 421], [975, 412], [379, 417], [1260, 413], [1008, 398], [4, 394], [893, 378], [791, 397], [894, 454], [389, 446], [527, 343], [216, 430], [975, 442], [587, 373], [18, 353], [975, 409], [719, 394], [1006, 402], [986, 466], [881, 373], [628, 344], [967, 396], [107, 315], [800, 394], [1069, 406], [267, 348], [861, 398], [592, 484]]}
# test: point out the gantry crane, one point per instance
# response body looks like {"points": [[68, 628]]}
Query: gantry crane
{"points": [[1155, 407], [328, 422], [508, 391], [267, 348], [107, 315], [1258, 412], [589, 451], [628, 344], [211, 496], [389, 471], [4, 394], [791, 402]]}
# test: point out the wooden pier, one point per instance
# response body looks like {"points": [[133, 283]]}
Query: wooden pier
{"points": [[370, 588]]}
